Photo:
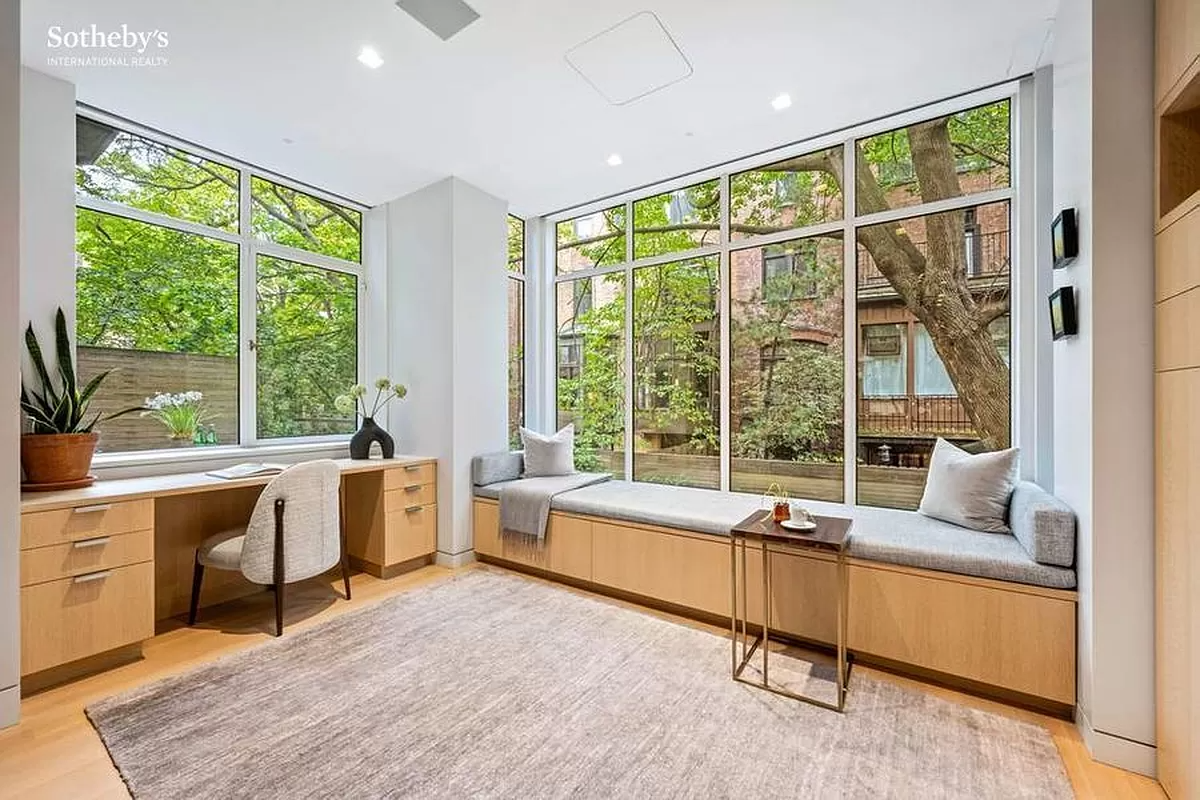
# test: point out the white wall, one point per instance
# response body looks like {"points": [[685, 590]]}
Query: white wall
{"points": [[1103, 379], [10, 136], [447, 331], [47, 202]]}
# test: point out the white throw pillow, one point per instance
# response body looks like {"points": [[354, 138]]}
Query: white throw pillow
{"points": [[549, 455], [971, 490]]}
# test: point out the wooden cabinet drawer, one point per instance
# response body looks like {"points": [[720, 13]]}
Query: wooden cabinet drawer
{"points": [[43, 528], [409, 475], [411, 534], [417, 494], [85, 555], [72, 618]]}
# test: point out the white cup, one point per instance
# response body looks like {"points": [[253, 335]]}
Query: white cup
{"points": [[799, 513]]}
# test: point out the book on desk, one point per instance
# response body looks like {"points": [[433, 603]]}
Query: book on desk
{"points": [[250, 469]]}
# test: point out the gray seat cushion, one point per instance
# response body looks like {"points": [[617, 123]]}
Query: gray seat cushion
{"points": [[878, 534], [914, 540], [223, 550]]}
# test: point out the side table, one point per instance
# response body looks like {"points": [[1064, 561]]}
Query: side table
{"points": [[831, 535]]}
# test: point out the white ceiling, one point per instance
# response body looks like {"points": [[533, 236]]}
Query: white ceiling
{"points": [[498, 105]]}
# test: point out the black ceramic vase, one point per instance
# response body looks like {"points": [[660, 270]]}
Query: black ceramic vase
{"points": [[360, 443]]}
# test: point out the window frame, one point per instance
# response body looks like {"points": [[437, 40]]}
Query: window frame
{"points": [[249, 249], [1025, 346], [522, 284]]}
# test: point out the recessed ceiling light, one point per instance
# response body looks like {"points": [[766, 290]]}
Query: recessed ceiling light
{"points": [[781, 102], [614, 160], [370, 57]]}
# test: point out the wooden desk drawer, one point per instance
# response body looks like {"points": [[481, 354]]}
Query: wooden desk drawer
{"points": [[73, 618], [86, 555], [417, 494], [43, 528], [411, 534], [399, 477]]}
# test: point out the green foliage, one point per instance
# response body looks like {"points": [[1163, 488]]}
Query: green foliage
{"points": [[156, 177], [789, 393], [307, 348], [594, 399], [61, 409], [677, 221], [594, 248], [783, 198], [676, 350], [289, 217], [146, 287], [980, 139], [516, 244]]}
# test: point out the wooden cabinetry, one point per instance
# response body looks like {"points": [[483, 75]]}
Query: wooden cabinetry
{"points": [[391, 517], [87, 581], [1018, 639], [100, 565], [1177, 395]]}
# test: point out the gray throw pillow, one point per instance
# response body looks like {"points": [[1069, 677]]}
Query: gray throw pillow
{"points": [[549, 455], [970, 490]]}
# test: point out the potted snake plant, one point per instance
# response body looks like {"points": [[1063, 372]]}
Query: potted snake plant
{"points": [[57, 452]]}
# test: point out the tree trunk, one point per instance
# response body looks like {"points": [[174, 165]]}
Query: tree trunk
{"points": [[934, 286]]}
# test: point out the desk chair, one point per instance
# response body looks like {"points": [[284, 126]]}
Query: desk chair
{"points": [[295, 532]]}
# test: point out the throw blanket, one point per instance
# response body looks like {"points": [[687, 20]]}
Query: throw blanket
{"points": [[525, 504]]}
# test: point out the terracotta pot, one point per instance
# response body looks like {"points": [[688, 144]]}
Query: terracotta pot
{"points": [[57, 457]]}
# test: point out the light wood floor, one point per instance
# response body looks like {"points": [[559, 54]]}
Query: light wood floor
{"points": [[55, 753]]}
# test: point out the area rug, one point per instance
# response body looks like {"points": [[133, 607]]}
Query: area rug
{"points": [[491, 685]]}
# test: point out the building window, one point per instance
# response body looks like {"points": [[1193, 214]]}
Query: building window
{"points": [[516, 329], [163, 256], [884, 360]]}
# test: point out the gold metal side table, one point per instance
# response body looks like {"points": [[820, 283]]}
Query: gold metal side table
{"points": [[831, 536]]}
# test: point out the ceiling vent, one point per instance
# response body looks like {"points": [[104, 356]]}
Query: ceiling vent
{"points": [[444, 17], [630, 60]]}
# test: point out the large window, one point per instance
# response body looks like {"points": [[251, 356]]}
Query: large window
{"points": [[516, 329], [889, 314], [242, 322]]}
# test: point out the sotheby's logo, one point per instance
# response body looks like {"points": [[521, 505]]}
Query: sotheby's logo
{"points": [[93, 46]]}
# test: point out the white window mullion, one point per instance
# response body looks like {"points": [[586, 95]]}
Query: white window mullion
{"points": [[158, 220], [629, 404], [247, 319], [725, 352], [849, 330]]}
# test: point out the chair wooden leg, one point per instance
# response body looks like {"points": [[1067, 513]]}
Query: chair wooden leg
{"points": [[279, 609], [342, 533], [197, 579], [280, 567]]}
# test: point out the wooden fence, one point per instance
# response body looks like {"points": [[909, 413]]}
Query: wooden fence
{"points": [[138, 374], [892, 487]]}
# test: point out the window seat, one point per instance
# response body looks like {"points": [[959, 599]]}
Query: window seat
{"points": [[989, 612], [879, 534]]}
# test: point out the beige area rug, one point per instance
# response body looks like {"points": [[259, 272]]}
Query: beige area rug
{"points": [[489, 685]]}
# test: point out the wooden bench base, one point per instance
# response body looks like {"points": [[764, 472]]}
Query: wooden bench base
{"points": [[1009, 640]]}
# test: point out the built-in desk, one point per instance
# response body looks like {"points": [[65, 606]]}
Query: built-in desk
{"points": [[101, 565]]}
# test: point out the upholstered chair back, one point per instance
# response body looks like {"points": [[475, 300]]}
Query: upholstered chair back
{"points": [[311, 533]]}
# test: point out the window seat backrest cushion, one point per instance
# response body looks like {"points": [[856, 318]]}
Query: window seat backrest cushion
{"points": [[496, 467], [1043, 524]]}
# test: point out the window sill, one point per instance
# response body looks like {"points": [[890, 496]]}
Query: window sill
{"points": [[201, 459]]}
